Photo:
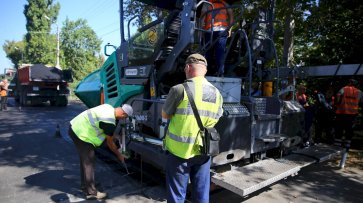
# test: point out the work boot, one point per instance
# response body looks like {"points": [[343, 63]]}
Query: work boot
{"points": [[98, 195], [83, 187]]}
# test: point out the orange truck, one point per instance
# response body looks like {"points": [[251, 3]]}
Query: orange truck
{"points": [[37, 83]]}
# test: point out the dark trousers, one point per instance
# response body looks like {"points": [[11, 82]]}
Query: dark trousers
{"points": [[309, 118], [4, 101], [178, 172], [344, 126], [324, 123], [215, 55], [87, 159]]}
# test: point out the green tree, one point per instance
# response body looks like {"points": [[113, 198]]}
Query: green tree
{"points": [[15, 52], [41, 46], [80, 46], [334, 32], [292, 15]]}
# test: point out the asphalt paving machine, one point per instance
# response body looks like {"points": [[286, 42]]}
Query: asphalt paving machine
{"points": [[260, 135]]}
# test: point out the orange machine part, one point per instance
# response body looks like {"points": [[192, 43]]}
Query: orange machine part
{"points": [[102, 97], [267, 89]]}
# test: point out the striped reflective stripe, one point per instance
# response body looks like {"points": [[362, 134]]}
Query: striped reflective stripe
{"points": [[217, 21], [184, 139], [347, 111], [111, 120], [189, 111], [93, 123], [353, 104]]}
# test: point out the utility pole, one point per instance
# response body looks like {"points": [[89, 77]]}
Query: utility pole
{"points": [[57, 65]]}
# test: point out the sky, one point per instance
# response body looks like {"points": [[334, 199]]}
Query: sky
{"points": [[102, 16]]}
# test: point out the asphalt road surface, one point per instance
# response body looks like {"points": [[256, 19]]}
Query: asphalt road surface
{"points": [[37, 164]]}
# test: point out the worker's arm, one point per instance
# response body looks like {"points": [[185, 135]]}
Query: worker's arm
{"points": [[338, 99], [109, 129], [203, 14], [114, 149], [340, 94], [173, 99], [230, 15], [231, 20], [165, 115]]}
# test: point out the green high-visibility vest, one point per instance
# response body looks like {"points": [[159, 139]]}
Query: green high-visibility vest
{"points": [[86, 125], [183, 138]]}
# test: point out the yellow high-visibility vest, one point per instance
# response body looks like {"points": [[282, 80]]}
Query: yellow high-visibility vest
{"points": [[86, 125], [183, 138]]}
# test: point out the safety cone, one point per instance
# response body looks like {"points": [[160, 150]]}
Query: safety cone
{"points": [[57, 132]]}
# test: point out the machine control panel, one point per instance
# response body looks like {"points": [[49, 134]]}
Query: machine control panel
{"points": [[235, 109]]}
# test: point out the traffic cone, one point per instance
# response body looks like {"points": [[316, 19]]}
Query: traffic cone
{"points": [[57, 132]]}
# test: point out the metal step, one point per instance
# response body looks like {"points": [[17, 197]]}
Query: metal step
{"points": [[320, 152], [272, 138], [247, 179]]}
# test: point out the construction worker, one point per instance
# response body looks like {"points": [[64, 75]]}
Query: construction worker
{"points": [[4, 85], [88, 130], [347, 103], [302, 98], [223, 18], [324, 115], [255, 89], [183, 139]]}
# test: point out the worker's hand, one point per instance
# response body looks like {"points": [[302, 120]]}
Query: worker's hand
{"points": [[121, 158]]}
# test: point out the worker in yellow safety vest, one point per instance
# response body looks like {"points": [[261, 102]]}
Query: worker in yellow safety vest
{"points": [[347, 103], [216, 20], [183, 139], [89, 130]]}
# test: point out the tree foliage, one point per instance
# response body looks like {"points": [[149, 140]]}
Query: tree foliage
{"points": [[15, 51], [333, 33], [41, 46], [314, 32], [80, 46], [145, 12], [324, 32]]}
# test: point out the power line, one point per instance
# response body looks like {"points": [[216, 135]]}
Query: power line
{"points": [[95, 12], [107, 26], [109, 32], [92, 8]]}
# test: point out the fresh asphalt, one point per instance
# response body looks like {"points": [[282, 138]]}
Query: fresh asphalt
{"points": [[40, 164]]}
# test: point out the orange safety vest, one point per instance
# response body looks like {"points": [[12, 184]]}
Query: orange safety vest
{"points": [[349, 101], [220, 15], [3, 91]]}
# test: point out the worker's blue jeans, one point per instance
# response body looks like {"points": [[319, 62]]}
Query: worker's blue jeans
{"points": [[178, 172], [215, 55]]}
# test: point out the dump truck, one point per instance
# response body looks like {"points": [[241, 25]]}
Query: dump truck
{"points": [[37, 83], [261, 137]]}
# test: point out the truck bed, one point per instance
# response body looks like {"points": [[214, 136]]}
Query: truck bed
{"points": [[39, 72]]}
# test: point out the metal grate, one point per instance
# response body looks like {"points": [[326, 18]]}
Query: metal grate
{"points": [[111, 83], [260, 105]]}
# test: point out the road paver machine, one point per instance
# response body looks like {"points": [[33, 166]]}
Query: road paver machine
{"points": [[260, 135]]}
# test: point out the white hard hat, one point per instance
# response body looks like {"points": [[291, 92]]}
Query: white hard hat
{"points": [[127, 109]]}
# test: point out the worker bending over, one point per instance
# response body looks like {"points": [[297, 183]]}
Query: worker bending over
{"points": [[89, 130]]}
